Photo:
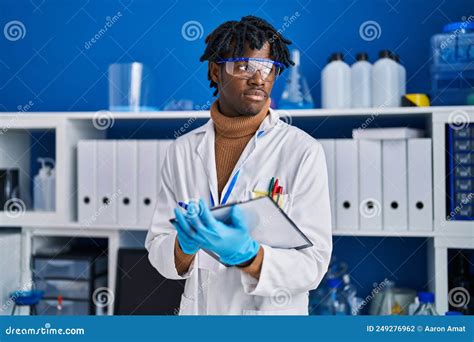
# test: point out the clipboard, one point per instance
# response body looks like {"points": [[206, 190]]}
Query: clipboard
{"points": [[268, 224]]}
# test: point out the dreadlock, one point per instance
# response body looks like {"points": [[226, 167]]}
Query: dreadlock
{"points": [[230, 38]]}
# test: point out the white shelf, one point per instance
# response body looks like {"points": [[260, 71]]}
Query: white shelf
{"points": [[384, 233], [70, 127], [74, 226], [12, 119], [78, 226]]}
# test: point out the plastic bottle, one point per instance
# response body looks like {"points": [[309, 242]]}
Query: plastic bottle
{"points": [[452, 56], [296, 94], [427, 306], [350, 292], [336, 83], [402, 76], [45, 186], [413, 306], [385, 81], [361, 82], [335, 303]]}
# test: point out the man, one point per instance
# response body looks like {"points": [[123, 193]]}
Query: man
{"points": [[231, 158]]}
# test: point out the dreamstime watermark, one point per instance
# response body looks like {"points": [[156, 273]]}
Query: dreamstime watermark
{"points": [[454, 35], [21, 110], [103, 119], [109, 22], [102, 297], [377, 289], [370, 208], [367, 121], [195, 208], [11, 300], [459, 297], [370, 30], [287, 22], [46, 330], [189, 123], [106, 203], [281, 297], [14, 30], [14, 208], [465, 201], [458, 119], [192, 30]]}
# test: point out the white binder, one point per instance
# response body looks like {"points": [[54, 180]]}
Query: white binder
{"points": [[347, 185], [420, 186], [395, 188], [329, 147], [148, 178], [86, 181], [106, 207], [127, 181], [370, 184]]}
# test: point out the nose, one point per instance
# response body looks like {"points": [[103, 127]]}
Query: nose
{"points": [[257, 79]]}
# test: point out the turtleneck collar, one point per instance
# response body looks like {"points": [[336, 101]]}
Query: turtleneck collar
{"points": [[238, 126]]}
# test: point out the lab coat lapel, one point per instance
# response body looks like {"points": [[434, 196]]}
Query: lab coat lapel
{"points": [[205, 150], [267, 124]]}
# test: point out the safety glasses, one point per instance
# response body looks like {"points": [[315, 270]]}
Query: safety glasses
{"points": [[245, 68]]}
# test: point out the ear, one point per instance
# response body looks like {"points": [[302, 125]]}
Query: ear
{"points": [[214, 72]]}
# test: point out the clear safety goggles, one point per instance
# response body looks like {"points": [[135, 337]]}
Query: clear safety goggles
{"points": [[245, 68]]}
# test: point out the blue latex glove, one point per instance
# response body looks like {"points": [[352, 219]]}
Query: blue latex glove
{"points": [[185, 234], [232, 243]]}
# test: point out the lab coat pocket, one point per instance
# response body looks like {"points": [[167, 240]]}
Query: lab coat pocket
{"points": [[186, 306], [284, 200]]}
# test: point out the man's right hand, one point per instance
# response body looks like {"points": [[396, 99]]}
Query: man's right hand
{"points": [[186, 241]]}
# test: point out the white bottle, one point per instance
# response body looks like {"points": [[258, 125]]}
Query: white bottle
{"points": [[336, 83], [45, 186], [402, 76], [361, 82], [385, 81]]}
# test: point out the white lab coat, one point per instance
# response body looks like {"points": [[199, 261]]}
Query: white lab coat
{"points": [[189, 172]]}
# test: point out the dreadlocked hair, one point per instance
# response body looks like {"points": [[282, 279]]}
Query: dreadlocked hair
{"points": [[230, 38]]}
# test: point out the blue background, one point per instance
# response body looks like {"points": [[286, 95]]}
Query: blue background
{"points": [[51, 67]]}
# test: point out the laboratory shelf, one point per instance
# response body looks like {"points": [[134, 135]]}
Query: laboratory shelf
{"points": [[8, 119], [77, 226], [71, 127], [382, 233]]}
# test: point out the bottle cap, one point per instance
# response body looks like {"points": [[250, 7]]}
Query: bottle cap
{"points": [[426, 297], [337, 56], [385, 54], [362, 56], [396, 57]]}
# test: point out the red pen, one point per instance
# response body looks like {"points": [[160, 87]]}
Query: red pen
{"points": [[275, 187], [279, 192]]}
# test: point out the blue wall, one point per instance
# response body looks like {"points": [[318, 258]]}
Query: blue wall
{"points": [[52, 68]]}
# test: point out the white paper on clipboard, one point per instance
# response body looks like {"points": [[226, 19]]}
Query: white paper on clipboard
{"points": [[268, 224]]}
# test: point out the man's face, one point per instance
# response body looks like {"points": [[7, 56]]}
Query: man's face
{"points": [[242, 97]]}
